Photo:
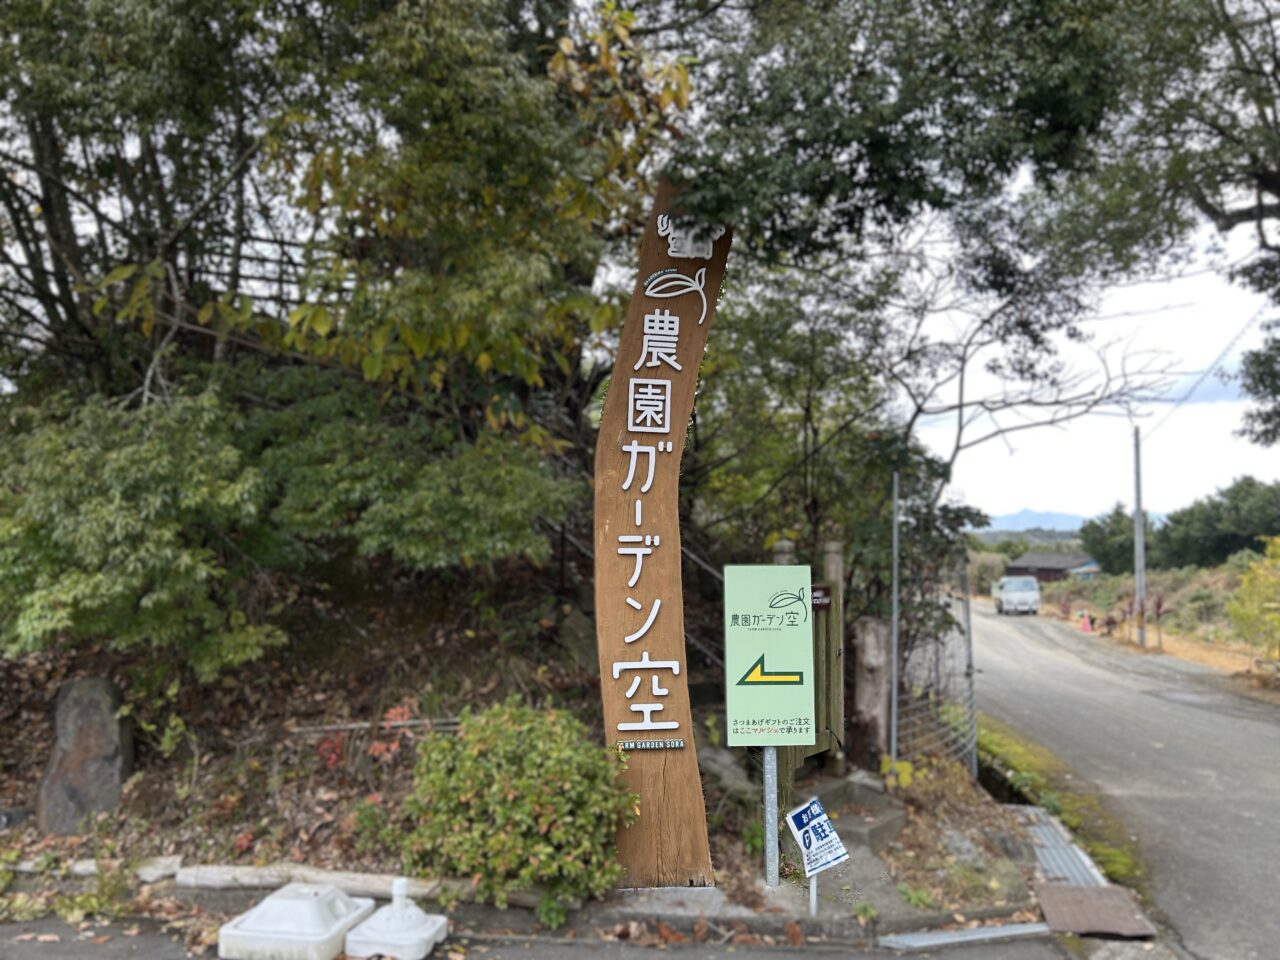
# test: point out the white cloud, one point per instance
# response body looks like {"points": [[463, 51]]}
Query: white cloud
{"points": [[1086, 466]]}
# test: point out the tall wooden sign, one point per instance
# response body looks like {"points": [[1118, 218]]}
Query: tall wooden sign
{"points": [[639, 606]]}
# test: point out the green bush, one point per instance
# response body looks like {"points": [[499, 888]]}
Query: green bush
{"points": [[187, 526], [519, 799], [1255, 606], [144, 526]]}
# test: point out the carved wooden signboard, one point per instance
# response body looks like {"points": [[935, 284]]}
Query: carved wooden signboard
{"points": [[639, 606]]}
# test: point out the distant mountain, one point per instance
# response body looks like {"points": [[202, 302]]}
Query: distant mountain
{"points": [[1037, 519]]}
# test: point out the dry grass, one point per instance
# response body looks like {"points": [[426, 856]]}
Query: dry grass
{"points": [[1225, 656], [943, 801]]}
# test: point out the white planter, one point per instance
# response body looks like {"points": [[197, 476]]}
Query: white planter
{"points": [[300, 921]]}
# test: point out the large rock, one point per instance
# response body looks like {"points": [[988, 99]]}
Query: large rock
{"points": [[722, 766], [92, 757]]}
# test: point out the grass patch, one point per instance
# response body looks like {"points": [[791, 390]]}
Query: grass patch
{"points": [[1042, 777]]}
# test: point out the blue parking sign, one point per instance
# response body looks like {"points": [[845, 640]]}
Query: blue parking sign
{"points": [[819, 843]]}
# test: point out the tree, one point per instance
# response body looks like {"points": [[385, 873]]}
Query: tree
{"points": [[352, 247], [1188, 136], [1255, 606], [1260, 377], [1213, 528], [1109, 540], [793, 438], [373, 237], [872, 147], [1011, 549], [829, 123]]}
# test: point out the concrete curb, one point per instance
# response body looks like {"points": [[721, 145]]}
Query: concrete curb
{"points": [[688, 912]]}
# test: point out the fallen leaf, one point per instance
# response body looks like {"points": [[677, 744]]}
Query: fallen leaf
{"points": [[670, 935], [48, 938], [795, 936]]}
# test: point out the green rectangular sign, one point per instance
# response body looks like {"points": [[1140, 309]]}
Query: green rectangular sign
{"points": [[768, 654]]}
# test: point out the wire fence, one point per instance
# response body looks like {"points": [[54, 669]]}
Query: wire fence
{"points": [[936, 709]]}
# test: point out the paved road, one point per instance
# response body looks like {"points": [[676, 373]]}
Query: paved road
{"points": [[1190, 768], [150, 944]]}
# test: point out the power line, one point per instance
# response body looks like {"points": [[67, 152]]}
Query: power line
{"points": [[1212, 368]]}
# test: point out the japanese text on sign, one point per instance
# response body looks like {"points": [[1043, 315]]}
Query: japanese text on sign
{"points": [[768, 644], [819, 843], [650, 411]]}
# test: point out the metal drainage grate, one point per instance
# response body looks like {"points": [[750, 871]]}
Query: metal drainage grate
{"points": [[1057, 855]]}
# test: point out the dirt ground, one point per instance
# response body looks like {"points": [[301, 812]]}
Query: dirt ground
{"points": [[1235, 659]]}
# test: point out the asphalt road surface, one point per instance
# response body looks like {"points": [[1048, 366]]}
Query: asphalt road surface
{"points": [[1191, 769]]}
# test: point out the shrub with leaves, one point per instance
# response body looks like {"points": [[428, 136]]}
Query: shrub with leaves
{"points": [[187, 525], [1255, 606], [519, 799], [143, 526]]}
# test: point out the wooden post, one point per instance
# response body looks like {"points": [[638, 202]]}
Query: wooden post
{"points": [[833, 660], [639, 606]]}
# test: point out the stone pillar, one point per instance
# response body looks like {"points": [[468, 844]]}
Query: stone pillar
{"points": [[92, 757]]}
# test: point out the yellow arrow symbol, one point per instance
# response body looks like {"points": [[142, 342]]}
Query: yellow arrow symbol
{"points": [[758, 674]]}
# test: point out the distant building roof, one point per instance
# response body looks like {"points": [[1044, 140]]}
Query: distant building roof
{"points": [[1051, 561]]}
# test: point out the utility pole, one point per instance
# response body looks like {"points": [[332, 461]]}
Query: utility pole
{"points": [[1139, 543]]}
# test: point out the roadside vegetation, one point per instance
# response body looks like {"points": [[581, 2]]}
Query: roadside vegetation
{"points": [[1029, 772], [1211, 570], [307, 313], [1189, 601]]}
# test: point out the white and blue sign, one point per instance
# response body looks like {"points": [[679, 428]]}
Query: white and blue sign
{"points": [[818, 840]]}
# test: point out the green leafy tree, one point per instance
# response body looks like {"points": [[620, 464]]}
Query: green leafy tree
{"points": [[145, 527], [1214, 528], [829, 121], [1260, 377], [793, 439], [1255, 606], [359, 238], [1186, 136], [1012, 548], [1109, 540]]}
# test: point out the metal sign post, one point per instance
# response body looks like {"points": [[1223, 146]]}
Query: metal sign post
{"points": [[768, 653], [820, 845], [893, 632], [771, 817]]}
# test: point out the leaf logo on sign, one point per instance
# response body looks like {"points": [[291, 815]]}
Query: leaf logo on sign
{"points": [[785, 598], [671, 283]]}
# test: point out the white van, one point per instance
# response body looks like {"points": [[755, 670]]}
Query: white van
{"points": [[1017, 595]]}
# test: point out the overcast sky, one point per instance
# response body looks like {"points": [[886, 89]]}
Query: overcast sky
{"points": [[1086, 466]]}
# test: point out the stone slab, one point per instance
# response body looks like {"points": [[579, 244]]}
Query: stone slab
{"points": [[92, 757]]}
